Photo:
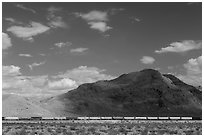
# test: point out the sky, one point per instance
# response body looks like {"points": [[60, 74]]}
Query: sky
{"points": [[51, 48]]}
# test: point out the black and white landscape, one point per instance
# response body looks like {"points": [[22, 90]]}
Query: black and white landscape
{"points": [[106, 59], [144, 93]]}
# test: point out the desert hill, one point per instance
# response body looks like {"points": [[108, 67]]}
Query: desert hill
{"points": [[142, 93], [19, 106]]}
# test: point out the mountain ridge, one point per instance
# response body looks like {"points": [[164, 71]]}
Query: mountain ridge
{"points": [[142, 93]]}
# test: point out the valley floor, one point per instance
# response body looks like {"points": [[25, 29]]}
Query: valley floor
{"points": [[102, 127]]}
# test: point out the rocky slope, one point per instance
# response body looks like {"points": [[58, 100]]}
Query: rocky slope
{"points": [[19, 106], [143, 93]]}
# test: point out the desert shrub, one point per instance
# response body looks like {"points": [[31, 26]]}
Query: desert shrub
{"points": [[122, 131], [101, 128], [91, 129], [188, 132], [22, 131], [173, 132], [144, 132], [72, 128]]}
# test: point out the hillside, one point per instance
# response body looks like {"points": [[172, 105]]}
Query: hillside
{"points": [[18, 106], [142, 93]]}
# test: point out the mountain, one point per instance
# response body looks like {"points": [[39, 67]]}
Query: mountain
{"points": [[143, 93], [19, 106]]}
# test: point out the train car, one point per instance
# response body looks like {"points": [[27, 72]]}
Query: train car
{"points": [[196, 118], [186, 118], [140, 118], [36, 118], [71, 118], [24, 118], [94, 118], [174, 118], [47, 118], [163, 118], [129, 118], [83, 118], [106, 118], [59, 118], [11, 118], [152, 118], [117, 118]]}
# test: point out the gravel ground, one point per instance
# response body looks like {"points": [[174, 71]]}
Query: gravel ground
{"points": [[102, 127]]}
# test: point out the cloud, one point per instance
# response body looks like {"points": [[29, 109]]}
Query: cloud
{"points": [[135, 19], [36, 64], [6, 41], [182, 46], [78, 50], [55, 21], [96, 19], [10, 70], [95, 16], [193, 70], [27, 33], [147, 60], [42, 54], [25, 8], [12, 20], [25, 55], [113, 11], [101, 26], [73, 78], [14, 82], [63, 44], [84, 74], [64, 83]]}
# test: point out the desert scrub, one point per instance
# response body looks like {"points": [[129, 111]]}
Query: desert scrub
{"points": [[103, 128]]}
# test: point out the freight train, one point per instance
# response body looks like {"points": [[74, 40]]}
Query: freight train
{"points": [[101, 118]]}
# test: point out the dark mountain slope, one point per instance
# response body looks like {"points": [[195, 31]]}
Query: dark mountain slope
{"points": [[143, 93]]}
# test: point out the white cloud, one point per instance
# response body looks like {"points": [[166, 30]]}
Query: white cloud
{"points": [[12, 20], [84, 74], [193, 74], [78, 50], [63, 44], [55, 21], [42, 54], [135, 19], [25, 55], [25, 8], [113, 11], [6, 41], [96, 19], [147, 60], [10, 70], [14, 82], [182, 46], [62, 84], [101, 26], [36, 64], [28, 32], [95, 16]]}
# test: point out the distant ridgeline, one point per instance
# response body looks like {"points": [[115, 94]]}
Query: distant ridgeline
{"points": [[146, 93], [101, 118]]}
